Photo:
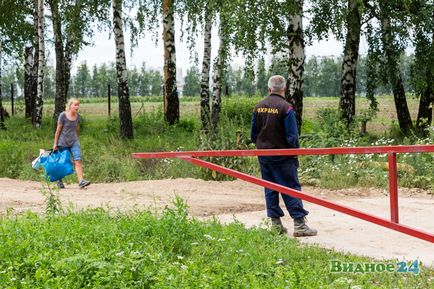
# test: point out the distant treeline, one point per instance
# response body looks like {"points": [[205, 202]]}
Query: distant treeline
{"points": [[321, 78], [86, 82]]}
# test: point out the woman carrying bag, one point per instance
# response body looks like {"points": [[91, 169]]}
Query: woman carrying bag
{"points": [[67, 137]]}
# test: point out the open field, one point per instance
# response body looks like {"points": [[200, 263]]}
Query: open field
{"points": [[381, 122], [20, 143]]}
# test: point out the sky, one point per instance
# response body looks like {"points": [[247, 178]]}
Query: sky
{"points": [[103, 51]]}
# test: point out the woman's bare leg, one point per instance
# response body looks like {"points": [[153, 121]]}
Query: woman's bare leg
{"points": [[79, 169]]}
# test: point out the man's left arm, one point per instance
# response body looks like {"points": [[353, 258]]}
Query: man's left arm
{"points": [[253, 133], [291, 130]]}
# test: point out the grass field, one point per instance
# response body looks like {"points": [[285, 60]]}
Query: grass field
{"points": [[112, 162], [190, 106]]}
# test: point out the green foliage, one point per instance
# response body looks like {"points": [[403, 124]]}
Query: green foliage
{"points": [[321, 78], [241, 81], [334, 131], [81, 81], [278, 67], [261, 78], [328, 16], [143, 82], [11, 159], [84, 84], [239, 109], [105, 249], [232, 135], [15, 29], [343, 171], [15, 76], [192, 82], [108, 159], [53, 204], [328, 130]]}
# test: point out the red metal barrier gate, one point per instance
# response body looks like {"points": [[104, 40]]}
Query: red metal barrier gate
{"points": [[391, 151]]}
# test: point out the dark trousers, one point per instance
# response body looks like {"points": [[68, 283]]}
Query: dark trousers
{"points": [[283, 171]]}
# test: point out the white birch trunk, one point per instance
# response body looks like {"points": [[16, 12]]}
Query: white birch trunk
{"points": [[217, 87], [171, 100], [34, 88], [296, 61], [206, 65], [41, 64], [122, 73]]}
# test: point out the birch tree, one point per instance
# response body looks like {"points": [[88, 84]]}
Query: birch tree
{"points": [[422, 21], [35, 69], [171, 100], [424, 87], [15, 29], [39, 102], [275, 27], [72, 21], [227, 12], [200, 13], [342, 19], [217, 84], [386, 44], [126, 126], [347, 102], [392, 52], [28, 80], [206, 67], [61, 93], [296, 59]]}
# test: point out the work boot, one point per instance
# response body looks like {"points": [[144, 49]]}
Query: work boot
{"points": [[301, 229], [60, 184], [276, 223]]}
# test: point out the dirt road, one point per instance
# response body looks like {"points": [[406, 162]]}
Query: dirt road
{"points": [[245, 202]]}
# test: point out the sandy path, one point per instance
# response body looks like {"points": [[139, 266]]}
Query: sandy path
{"points": [[245, 202]]}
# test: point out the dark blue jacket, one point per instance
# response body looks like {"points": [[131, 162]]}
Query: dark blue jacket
{"points": [[274, 125]]}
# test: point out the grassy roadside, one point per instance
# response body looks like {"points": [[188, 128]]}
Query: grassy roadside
{"points": [[109, 249]]}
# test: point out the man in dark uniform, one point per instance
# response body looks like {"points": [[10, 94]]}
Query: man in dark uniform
{"points": [[274, 127]]}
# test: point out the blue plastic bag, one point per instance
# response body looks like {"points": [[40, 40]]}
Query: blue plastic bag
{"points": [[57, 165]]}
